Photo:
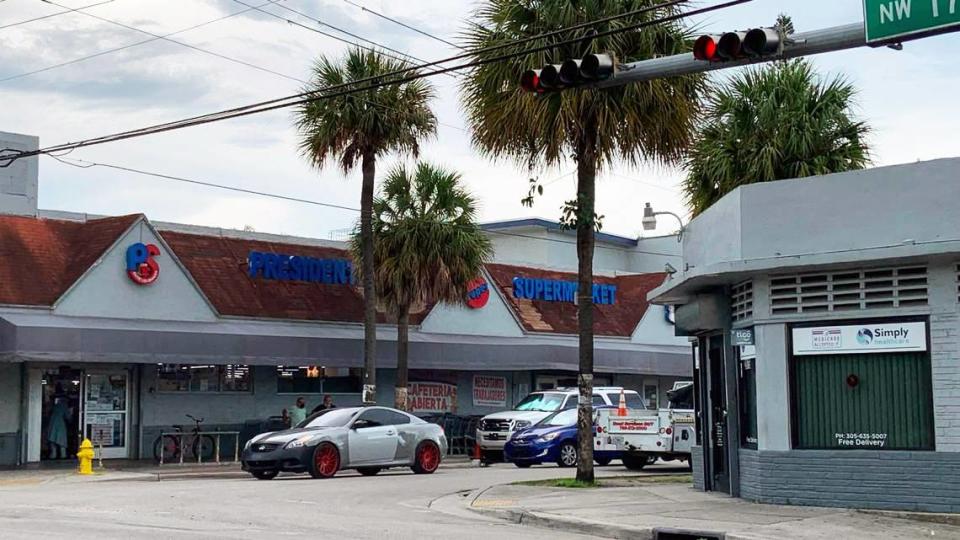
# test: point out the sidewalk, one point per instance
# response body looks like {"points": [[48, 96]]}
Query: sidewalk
{"points": [[636, 512], [146, 470]]}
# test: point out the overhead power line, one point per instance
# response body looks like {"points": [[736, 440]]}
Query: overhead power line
{"points": [[404, 57], [54, 14], [83, 164], [138, 43], [378, 81], [407, 26]]}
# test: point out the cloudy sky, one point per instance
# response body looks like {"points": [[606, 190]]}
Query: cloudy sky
{"points": [[909, 98]]}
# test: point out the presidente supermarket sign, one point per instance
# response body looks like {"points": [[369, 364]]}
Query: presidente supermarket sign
{"points": [[299, 268], [860, 339], [553, 290]]}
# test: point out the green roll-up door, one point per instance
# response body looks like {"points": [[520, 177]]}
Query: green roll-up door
{"points": [[864, 401]]}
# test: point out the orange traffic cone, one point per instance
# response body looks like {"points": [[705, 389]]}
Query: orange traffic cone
{"points": [[622, 407], [476, 451]]}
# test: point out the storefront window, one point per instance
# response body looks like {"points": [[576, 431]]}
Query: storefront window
{"points": [[318, 380], [203, 378], [862, 386]]}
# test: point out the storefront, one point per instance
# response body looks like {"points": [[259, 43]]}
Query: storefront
{"points": [[116, 329], [826, 314]]}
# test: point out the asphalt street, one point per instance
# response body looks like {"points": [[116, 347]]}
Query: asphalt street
{"points": [[394, 504]]}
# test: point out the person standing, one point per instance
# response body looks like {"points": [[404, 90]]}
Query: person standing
{"points": [[57, 434], [327, 404], [298, 413]]}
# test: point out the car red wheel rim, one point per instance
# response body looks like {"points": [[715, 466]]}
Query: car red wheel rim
{"points": [[327, 460], [429, 457]]}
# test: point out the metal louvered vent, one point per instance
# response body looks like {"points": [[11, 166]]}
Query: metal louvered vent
{"points": [[741, 301], [851, 290]]}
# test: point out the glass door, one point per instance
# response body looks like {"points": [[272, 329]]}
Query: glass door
{"points": [[106, 411]]}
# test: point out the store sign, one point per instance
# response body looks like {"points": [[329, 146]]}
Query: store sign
{"points": [[861, 440], [489, 391], [142, 268], [552, 290], [432, 397], [742, 336], [478, 293], [299, 268], [861, 339]]}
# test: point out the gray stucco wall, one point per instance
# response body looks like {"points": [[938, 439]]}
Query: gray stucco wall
{"points": [[915, 481], [10, 396], [847, 212]]}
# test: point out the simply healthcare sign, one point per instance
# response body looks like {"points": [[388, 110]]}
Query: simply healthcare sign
{"points": [[860, 339]]}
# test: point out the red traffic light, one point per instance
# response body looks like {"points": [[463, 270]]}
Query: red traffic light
{"points": [[705, 48], [738, 45], [530, 81]]}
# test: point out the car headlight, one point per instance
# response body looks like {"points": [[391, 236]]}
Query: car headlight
{"points": [[521, 424], [298, 443], [549, 437]]}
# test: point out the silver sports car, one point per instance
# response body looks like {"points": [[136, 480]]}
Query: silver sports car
{"points": [[368, 439]]}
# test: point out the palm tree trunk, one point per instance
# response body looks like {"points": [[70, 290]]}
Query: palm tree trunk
{"points": [[369, 166], [403, 345], [586, 190]]}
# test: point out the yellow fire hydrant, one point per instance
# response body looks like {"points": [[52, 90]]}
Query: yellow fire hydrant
{"points": [[85, 455]]}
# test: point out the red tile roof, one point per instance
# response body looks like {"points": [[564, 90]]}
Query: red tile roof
{"points": [[42, 258], [619, 319], [219, 266]]}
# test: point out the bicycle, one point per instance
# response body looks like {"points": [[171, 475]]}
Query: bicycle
{"points": [[169, 447]]}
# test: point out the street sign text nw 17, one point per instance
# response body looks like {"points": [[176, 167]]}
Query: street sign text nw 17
{"points": [[899, 20]]}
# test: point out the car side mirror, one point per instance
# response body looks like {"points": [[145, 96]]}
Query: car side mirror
{"points": [[360, 424]]}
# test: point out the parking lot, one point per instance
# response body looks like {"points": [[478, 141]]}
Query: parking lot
{"points": [[394, 504]]}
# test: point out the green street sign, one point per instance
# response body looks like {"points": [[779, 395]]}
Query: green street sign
{"points": [[899, 20]]}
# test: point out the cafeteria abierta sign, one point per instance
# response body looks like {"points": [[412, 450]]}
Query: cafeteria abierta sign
{"points": [[860, 339]]}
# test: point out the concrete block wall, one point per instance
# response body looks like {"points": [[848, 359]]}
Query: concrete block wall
{"points": [[945, 369], [912, 481], [696, 464]]}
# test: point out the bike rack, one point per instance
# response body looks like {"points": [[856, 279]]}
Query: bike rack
{"points": [[216, 435]]}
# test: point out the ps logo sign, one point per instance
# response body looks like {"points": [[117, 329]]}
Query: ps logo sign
{"points": [[141, 266]]}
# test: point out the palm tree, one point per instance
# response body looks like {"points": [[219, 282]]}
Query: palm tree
{"points": [[364, 126], [645, 121], [427, 248], [772, 123]]}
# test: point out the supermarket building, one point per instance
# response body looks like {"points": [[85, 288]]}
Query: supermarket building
{"points": [[135, 324], [827, 317]]}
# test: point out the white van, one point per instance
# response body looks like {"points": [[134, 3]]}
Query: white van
{"points": [[495, 429]]}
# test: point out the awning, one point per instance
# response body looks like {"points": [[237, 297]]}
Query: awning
{"points": [[50, 338]]}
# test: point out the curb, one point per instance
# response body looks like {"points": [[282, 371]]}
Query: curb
{"points": [[554, 522], [925, 517]]}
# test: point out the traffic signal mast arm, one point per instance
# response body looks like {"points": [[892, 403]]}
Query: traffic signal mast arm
{"points": [[836, 38]]}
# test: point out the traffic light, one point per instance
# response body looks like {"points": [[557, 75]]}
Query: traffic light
{"points": [[570, 74], [753, 43]]}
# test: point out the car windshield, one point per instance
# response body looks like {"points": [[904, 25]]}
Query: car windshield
{"points": [[634, 401], [566, 417], [541, 402], [329, 418]]}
